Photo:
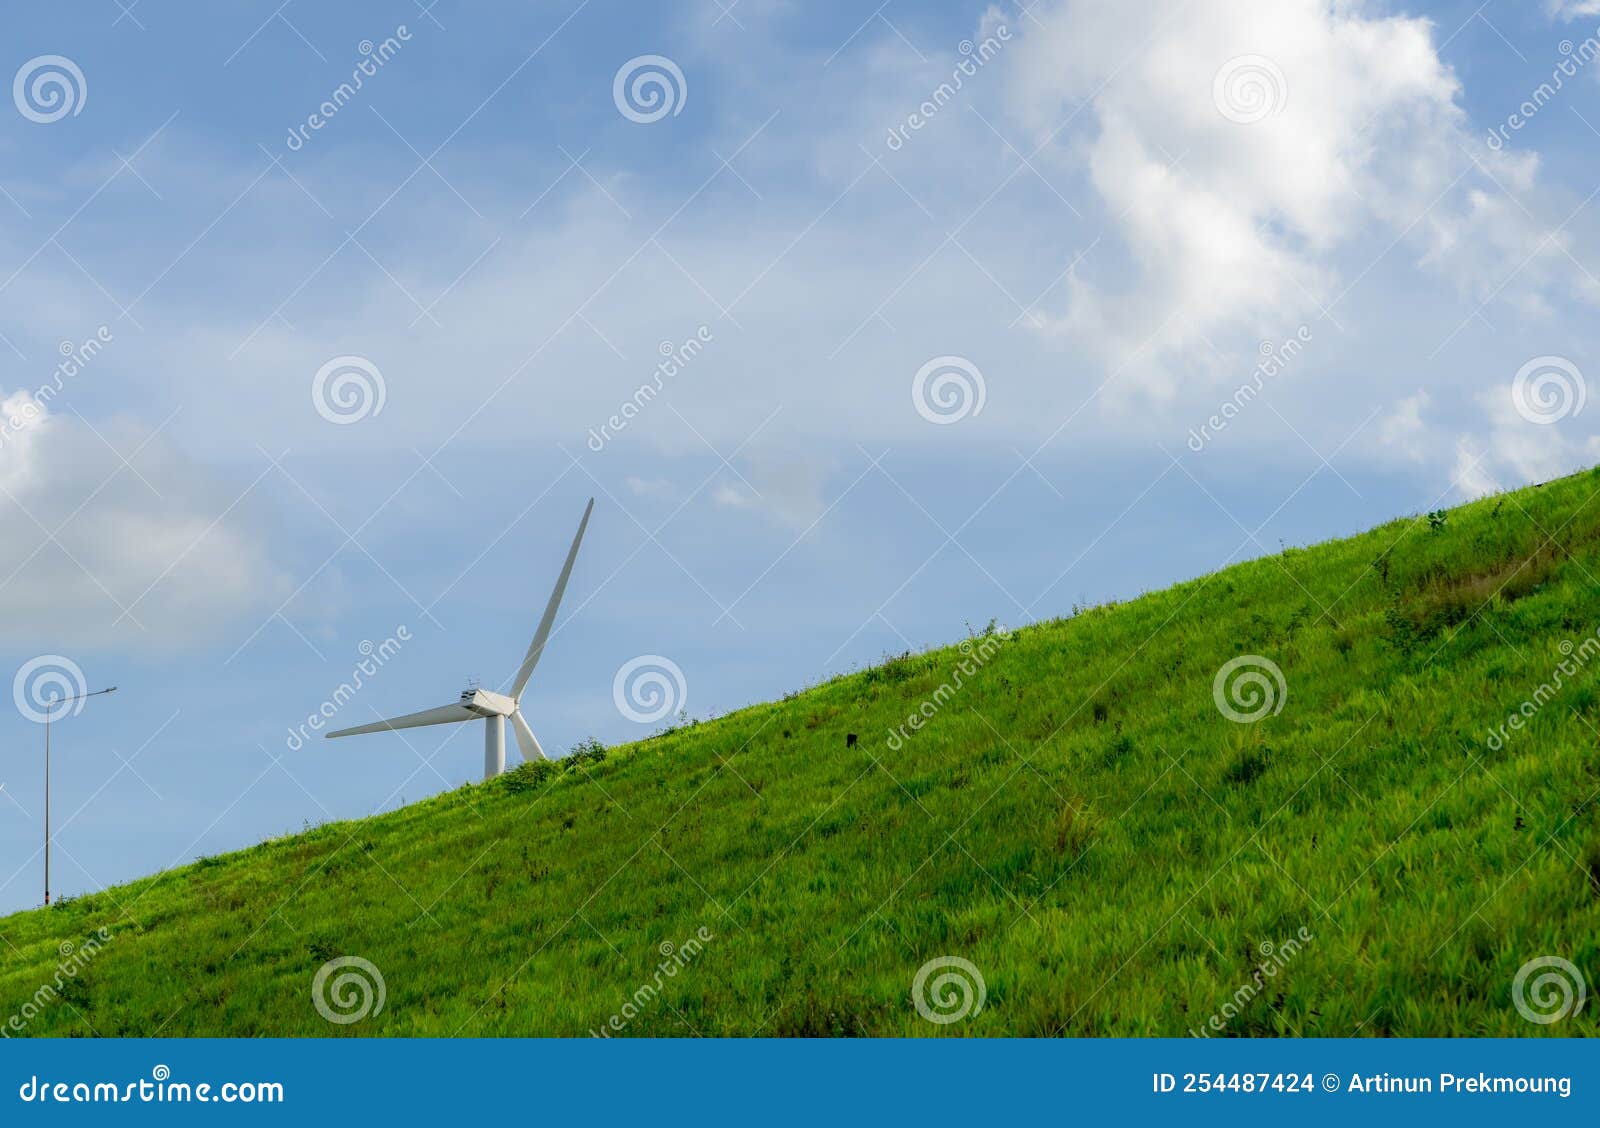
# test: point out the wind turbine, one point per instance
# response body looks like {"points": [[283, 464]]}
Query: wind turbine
{"points": [[494, 708]]}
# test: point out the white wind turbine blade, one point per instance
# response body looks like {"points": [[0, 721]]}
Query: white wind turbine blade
{"points": [[540, 636], [525, 738], [444, 715]]}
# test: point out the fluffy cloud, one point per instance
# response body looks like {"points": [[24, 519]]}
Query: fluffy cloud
{"points": [[114, 538], [1238, 147], [787, 487], [1521, 432], [1525, 428], [1515, 449], [1403, 429]]}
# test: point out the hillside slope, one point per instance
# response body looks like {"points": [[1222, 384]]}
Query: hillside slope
{"points": [[1076, 816]]}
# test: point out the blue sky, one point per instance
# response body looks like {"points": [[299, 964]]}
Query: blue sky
{"points": [[1110, 227]]}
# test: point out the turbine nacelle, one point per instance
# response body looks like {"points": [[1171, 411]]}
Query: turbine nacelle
{"points": [[487, 704], [490, 707]]}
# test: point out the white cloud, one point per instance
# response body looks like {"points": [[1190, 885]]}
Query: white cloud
{"points": [[1512, 450], [786, 487], [1520, 451], [1471, 474], [649, 487], [1493, 445], [99, 551], [1232, 210], [1572, 9], [1403, 429]]}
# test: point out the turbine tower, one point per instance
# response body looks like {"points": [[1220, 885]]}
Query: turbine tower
{"points": [[494, 708]]}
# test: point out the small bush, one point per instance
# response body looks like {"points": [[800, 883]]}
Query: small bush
{"points": [[528, 776], [895, 668]]}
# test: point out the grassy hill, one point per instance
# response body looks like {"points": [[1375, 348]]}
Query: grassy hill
{"points": [[1073, 813]]}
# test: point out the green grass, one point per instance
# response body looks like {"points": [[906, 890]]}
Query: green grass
{"points": [[1077, 819]]}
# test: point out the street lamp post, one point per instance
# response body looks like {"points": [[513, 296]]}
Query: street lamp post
{"points": [[50, 707]]}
